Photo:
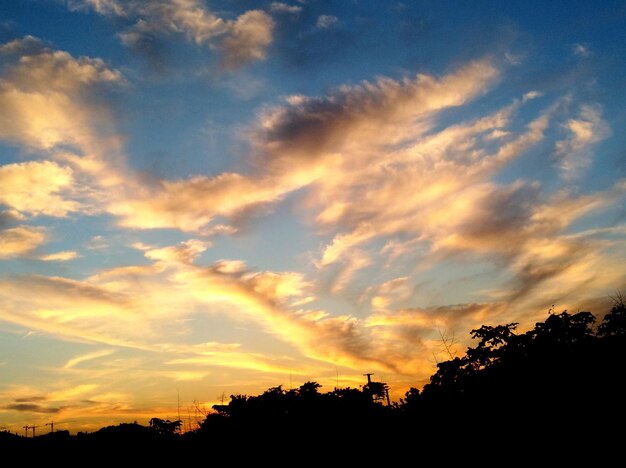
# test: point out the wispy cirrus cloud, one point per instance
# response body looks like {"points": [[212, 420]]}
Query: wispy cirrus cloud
{"points": [[107, 308], [87, 357], [574, 154]]}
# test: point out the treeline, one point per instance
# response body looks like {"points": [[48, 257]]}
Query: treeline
{"points": [[559, 387]]}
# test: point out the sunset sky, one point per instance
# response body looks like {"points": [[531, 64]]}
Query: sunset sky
{"points": [[203, 197]]}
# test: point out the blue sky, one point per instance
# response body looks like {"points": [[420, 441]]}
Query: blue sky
{"points": [[206, 197]]}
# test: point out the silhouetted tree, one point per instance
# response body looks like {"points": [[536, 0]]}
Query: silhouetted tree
{"points": [[165, 427], [614, 323], [309, 389]]}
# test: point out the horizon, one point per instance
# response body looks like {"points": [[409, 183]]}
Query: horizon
{"points": [[207, 197]]}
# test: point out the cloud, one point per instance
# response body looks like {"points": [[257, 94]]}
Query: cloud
{"points": [[104, 7], [574, 154], [215, 354], [97, 243], [306, 141], [25, 46], [31, 408], [88, 357], [192, 204], [424, 190], [30, 399], [242, 40], [71, 309], [327, 21], [37, 188], [49, 104], [37, 106], [64, 256], [109, 308], [249, 37], [72, 392], [414, 335], [383, 295], [281, 7], [385, 168], [302, 144], [581, 50], [21, 240], [357, 260]]}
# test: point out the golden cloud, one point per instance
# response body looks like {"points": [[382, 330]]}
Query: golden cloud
{"points": [[20, 240], [37, 188], [243, 40], [64, 256]]}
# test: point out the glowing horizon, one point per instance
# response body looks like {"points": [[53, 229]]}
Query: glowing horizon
{"points": [[200, 198]]}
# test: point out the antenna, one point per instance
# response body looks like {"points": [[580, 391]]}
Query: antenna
{"points": [[178, 402]]}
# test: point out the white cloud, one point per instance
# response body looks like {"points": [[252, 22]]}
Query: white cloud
{"points": [[281, 7], [327, 21], [574, 154], [97, 243], [581, 50]]}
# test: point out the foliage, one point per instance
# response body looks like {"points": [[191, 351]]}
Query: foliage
{"points": [[165, 427]]}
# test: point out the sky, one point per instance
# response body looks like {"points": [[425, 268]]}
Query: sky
{"points": [[201, 198]]}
